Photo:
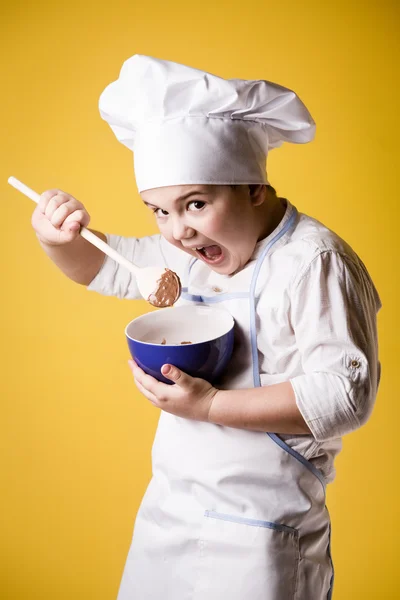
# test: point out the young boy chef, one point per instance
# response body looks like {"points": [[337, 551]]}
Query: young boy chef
{"points": [[236, 506]]}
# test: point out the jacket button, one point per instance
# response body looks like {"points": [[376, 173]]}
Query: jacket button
{"points": [[355, 364]]}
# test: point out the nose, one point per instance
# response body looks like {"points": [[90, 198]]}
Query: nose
{"points": [[181, 231]]}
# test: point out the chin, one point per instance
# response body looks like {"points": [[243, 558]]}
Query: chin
{"points": [[226, 270]]}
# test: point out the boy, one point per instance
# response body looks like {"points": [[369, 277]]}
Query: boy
{"points": [[232, 511]]}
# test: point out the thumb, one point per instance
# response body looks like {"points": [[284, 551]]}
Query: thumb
{"points": [[175, 375]]}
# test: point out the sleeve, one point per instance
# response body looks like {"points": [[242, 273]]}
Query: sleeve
{"points": [[333, 312], [115, 280]]}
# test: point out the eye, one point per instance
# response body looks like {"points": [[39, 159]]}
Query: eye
{"points": [[159, 212], [196, 205]]}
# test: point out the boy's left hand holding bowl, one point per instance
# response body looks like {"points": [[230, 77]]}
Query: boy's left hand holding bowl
{"points": [[190, 397]]}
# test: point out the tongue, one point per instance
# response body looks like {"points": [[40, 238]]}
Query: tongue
{"points": [[212, 251]]}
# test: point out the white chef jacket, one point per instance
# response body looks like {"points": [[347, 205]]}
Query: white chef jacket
{"points": [[316, 311]]}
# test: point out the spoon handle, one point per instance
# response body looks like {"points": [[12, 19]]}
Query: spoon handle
{"points": [[85, 233]]}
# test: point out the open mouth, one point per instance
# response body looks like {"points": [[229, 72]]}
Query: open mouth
{"points": [[211, 254]]}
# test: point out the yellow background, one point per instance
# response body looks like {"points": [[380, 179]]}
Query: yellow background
{"points": [[75, 433]]}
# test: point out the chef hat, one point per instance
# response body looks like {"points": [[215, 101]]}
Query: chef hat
{"points": [[186, 126]]}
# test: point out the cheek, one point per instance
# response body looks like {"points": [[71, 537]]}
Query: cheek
{"points": [[231, 231], [217, 227], [165, 232], [163, 228]]}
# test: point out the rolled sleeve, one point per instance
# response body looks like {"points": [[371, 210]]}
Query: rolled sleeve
{"points": [[333, 314]]}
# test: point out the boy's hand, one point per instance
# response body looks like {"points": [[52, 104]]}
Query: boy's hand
{"points": [[58, 218], [190, 397]]}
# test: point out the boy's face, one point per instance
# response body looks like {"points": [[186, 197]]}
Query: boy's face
{"points": [[217, 224]]}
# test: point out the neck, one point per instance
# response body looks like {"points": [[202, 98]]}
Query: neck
{"points": [[271, 214]]}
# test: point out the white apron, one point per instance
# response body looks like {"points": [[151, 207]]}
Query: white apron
{"points": [[229, 514]]}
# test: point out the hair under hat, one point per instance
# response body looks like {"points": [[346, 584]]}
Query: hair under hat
{"points": [[187, 126]]}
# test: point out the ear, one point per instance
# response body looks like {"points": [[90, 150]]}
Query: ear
{"points": [[258, 194]]}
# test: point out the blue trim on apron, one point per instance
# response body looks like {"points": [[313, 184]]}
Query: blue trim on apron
{"points": [[212, 514], [275, 438], [254, 350], [190, 297], [253, 329]]}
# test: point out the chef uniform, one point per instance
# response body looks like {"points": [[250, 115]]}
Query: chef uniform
{"points": [[231, 513]]}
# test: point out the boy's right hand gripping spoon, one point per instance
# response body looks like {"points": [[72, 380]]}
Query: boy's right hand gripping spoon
{"points": [[158, 285]]}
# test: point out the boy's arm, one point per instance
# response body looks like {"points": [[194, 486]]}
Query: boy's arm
{"points": [[270, 408], [79, 260]]}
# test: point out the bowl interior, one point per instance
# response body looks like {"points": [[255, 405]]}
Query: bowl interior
{"points": [[192, 324]]}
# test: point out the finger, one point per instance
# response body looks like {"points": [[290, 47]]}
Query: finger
{"points": [[46, 197], [135, 369], [151, 384], [176, 375], [151, 397], [55, 202], [80, 216], [59, 215], [68, 233]]}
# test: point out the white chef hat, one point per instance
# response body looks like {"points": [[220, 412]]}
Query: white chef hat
{"points": [[186, 126]]}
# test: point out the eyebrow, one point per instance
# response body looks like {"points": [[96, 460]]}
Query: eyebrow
{"points": [[180, 198]]}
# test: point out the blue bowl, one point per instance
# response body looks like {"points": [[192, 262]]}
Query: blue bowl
{"points": [[197, 339]]}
